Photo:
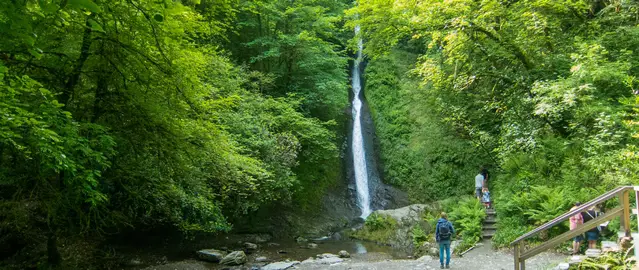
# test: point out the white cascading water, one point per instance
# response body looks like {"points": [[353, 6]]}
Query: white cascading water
{"points": [[359, 153]]}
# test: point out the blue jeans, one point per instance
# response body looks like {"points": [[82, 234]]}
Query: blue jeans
{"points": [[444, 246]]}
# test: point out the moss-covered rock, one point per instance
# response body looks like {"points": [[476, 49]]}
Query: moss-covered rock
{"points": [[399, 228]]}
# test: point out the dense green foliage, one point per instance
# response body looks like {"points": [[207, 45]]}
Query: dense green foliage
{"points": [[545, 92], [467, 214], [426, 158], [136, 113]]}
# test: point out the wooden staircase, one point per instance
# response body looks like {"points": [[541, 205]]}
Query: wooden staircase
{"points": [[490, 224]]}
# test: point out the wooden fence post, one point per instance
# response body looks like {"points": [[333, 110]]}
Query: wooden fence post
{"points": [[517, 256], [625, 218]]}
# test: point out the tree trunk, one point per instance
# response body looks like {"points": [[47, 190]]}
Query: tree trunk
{"points": [[53, 255], [74, 77]]}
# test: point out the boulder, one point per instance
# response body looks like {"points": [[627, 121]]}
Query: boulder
{"points": [[250, 246], [433, 252], [280, 265], [407, 219], [300, 239], [311, 245], [211, 255], [344, 254], [234, 258]]}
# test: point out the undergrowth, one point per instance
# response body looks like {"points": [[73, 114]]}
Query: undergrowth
{"points": [[378, 228]]}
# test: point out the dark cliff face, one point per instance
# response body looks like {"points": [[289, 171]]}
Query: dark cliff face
{"points": [[382, 196]]}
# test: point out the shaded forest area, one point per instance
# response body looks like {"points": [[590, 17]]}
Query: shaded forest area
{"points": [[136, 114]]}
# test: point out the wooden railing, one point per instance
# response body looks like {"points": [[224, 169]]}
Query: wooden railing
{"points": [[623, 211]]}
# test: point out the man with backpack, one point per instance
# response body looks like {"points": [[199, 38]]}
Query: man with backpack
{"points": [[444, 231]]}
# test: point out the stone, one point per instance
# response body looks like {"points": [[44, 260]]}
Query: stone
{"points": [[280, 265], [433, 251], [563, 266], [591, 252], [261, 259], [234, 258], [250, 246], [326, 255], [311, 245], [425, 258], [211, 255], [282, 251], [329, 260], [300, 239], [344, 254], [309, 260], [273, 244]]}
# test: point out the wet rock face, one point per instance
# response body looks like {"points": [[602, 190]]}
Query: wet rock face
{"points": [[382, 196]]}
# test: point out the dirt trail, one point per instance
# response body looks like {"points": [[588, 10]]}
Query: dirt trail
{"points": [[480, 258]]}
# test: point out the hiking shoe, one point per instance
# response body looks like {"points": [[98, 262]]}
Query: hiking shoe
{"points": [[441, 266], [447, 267]]}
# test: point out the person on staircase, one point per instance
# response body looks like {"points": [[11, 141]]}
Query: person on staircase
{"points": [[485, 197], [480, 182], [575, 221], [593, 234], [444, 232]]}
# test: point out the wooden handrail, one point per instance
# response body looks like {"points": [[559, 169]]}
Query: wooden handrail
{"points": [[623, 192], [612, 213], [606, 196]]}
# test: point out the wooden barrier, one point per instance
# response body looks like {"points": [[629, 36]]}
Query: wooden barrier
{"points": [[623, 211]]}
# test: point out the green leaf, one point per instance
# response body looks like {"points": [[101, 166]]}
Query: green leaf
{"points": [[86, 4], [36, 52], [95, 26]]}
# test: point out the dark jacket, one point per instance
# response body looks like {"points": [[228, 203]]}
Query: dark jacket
{"points": [[443, 222]]}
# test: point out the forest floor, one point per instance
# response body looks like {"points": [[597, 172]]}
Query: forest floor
{"points": [[482, 257]]}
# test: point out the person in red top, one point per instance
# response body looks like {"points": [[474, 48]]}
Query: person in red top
{"points": [[575, 221]]}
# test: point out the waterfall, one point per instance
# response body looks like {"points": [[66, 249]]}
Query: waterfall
{"points": [[359, 153]]}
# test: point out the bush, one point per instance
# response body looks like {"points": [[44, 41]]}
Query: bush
{"points": [[376, 222], [467, 215], [419, 236], [616, 260], [508, 229], [378, 228]]}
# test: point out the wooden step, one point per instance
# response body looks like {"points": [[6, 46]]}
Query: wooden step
{"points": [[491, 211]]}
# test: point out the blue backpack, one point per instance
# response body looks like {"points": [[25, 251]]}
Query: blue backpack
{"points": [[444, 231]]}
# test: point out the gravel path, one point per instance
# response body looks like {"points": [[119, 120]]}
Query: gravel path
{"points": [[480, 258]]}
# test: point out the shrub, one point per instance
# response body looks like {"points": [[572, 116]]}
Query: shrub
{"points": [[377, 228], [467, 216], [376, 222], [508, 229], [419, 236], [614, 260]]}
